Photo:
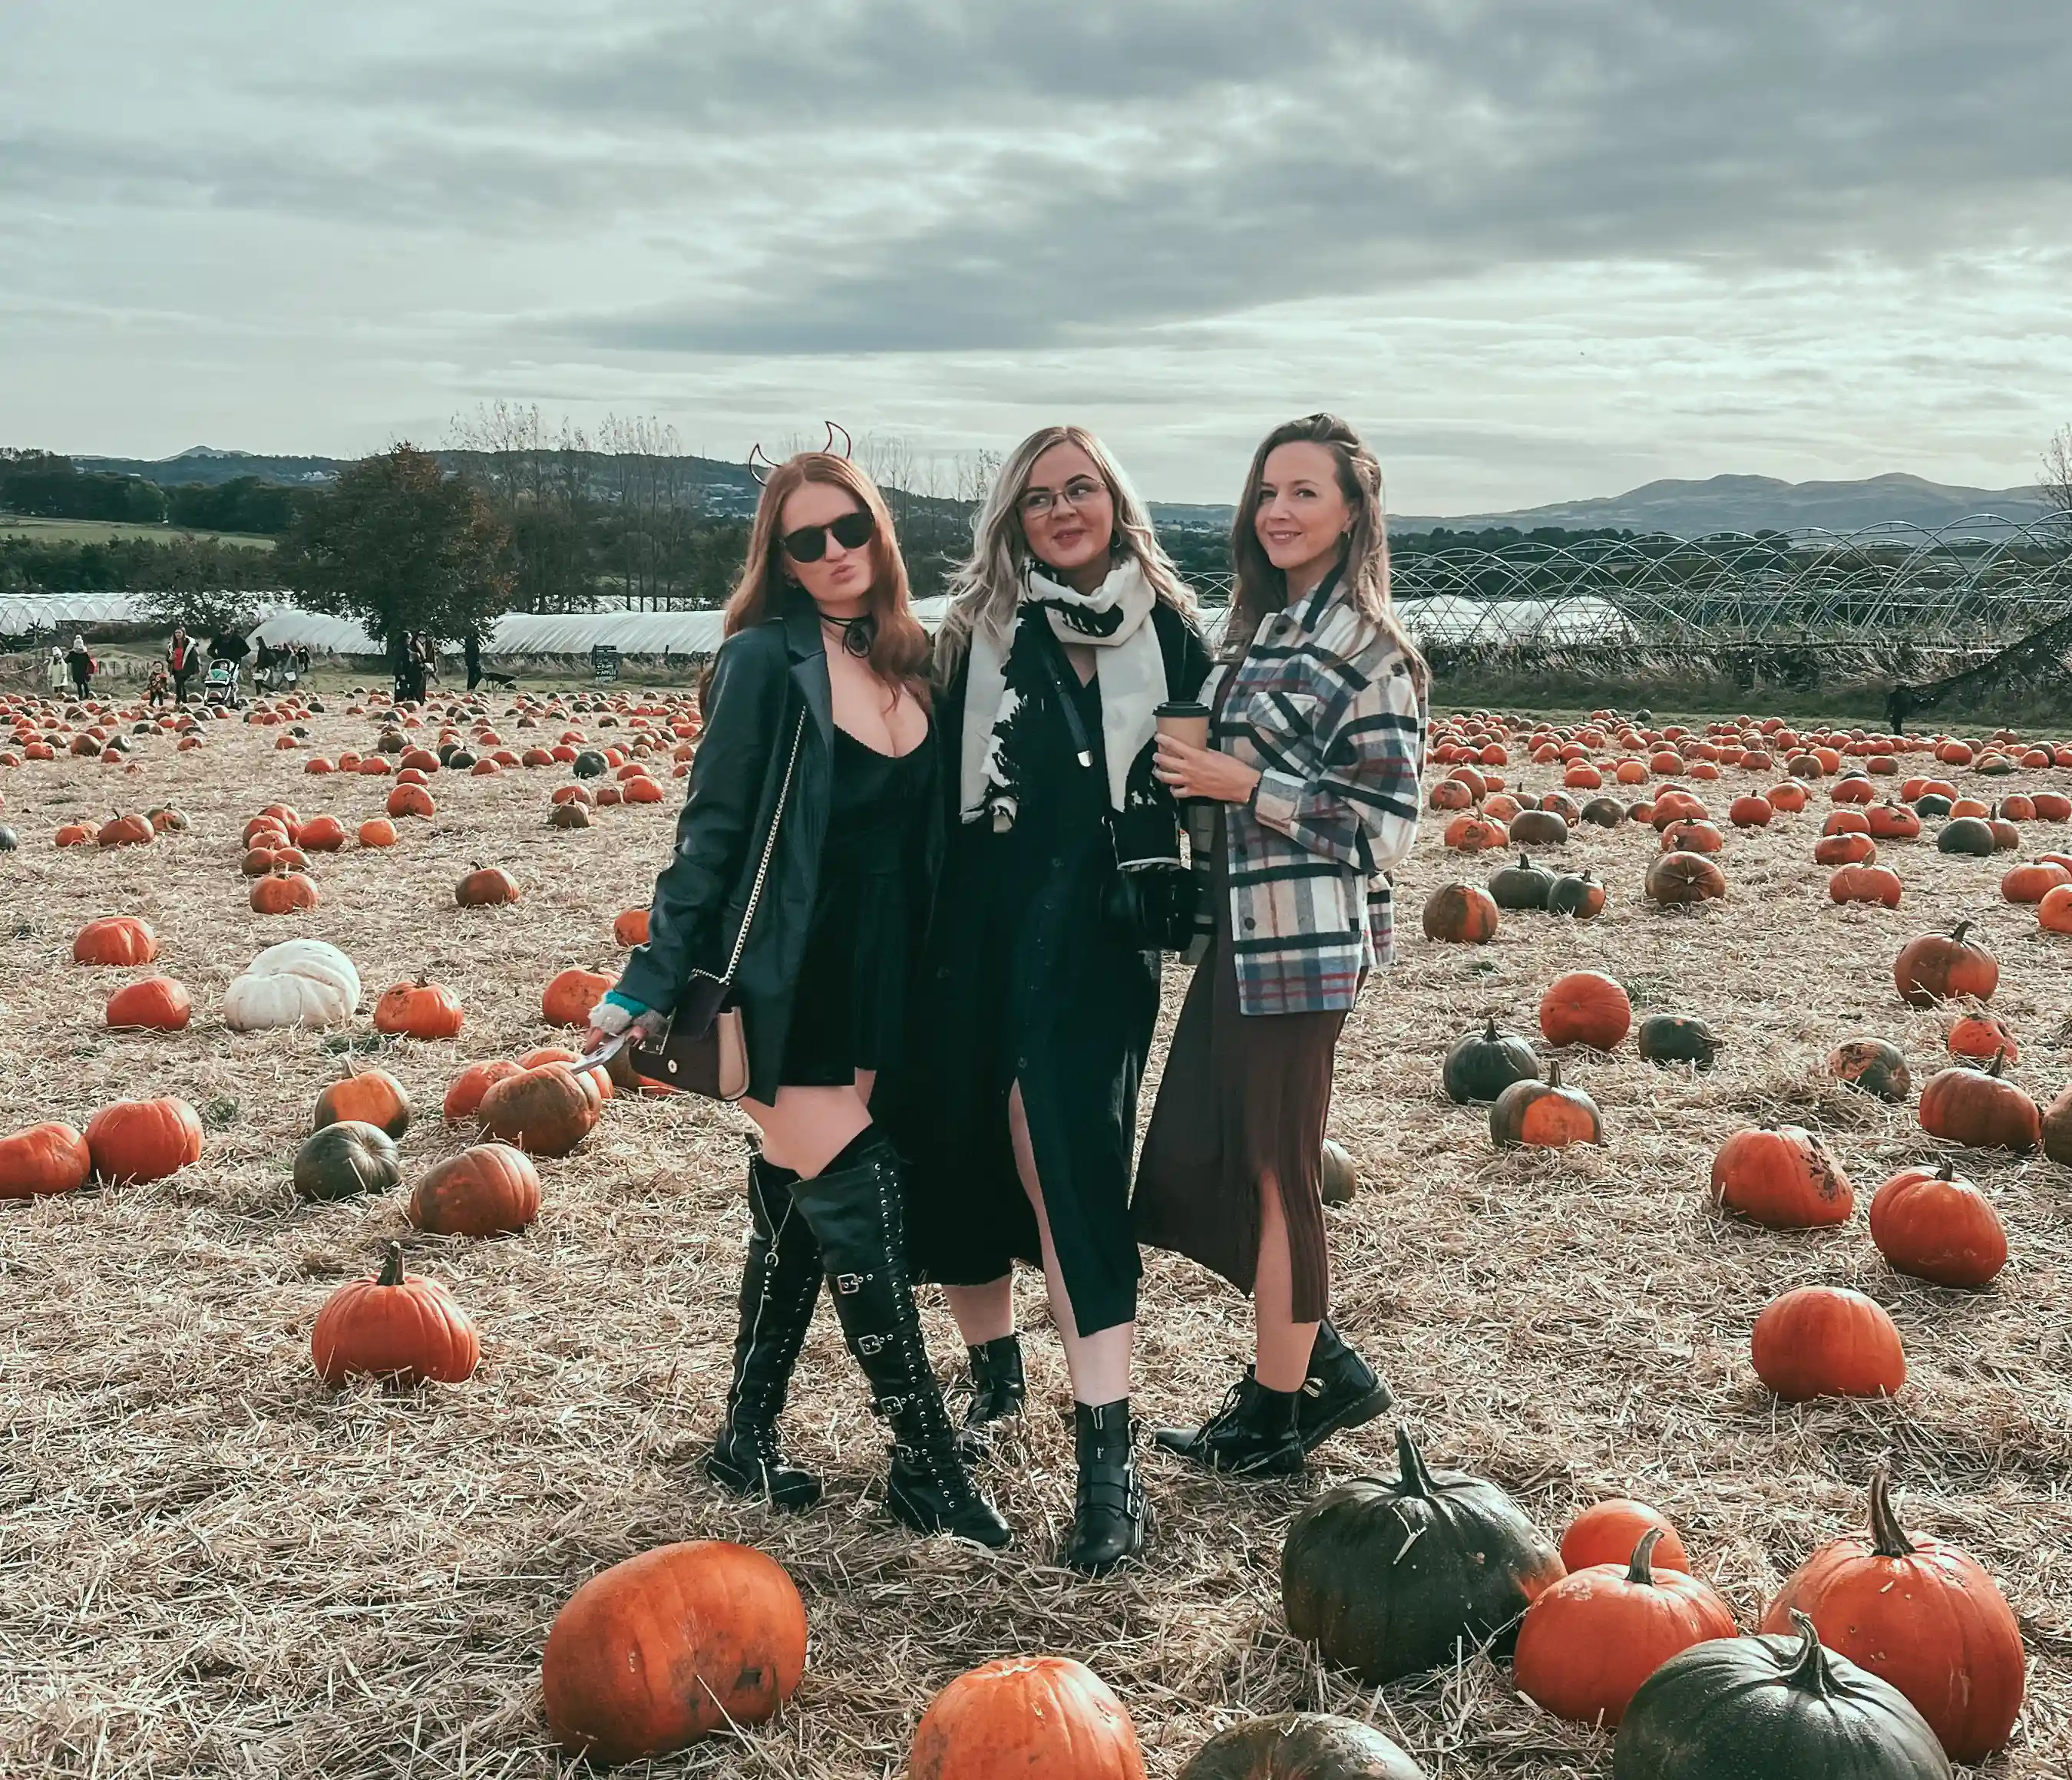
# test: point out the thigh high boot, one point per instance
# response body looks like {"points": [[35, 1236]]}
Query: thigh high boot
{"points": [[856, 1209], [779, 1287]]}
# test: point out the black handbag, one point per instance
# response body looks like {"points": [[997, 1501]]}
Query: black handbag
{"points": [[703, 1048]]}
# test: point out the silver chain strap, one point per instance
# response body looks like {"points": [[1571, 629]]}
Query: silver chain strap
{"points": [[769, 848]]}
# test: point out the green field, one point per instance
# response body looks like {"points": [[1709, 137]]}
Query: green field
{"points": [[107, 531]]}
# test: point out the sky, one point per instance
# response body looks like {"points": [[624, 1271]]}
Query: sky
{"points": [[1535, 250]]}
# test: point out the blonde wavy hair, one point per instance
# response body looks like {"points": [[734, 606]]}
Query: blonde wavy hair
{"points": [[988, 584]]}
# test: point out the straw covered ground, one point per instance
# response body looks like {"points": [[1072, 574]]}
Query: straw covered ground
{"points": [[211, 1564]]}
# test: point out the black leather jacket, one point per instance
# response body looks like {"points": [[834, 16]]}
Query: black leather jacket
{"points": [[764, 679]]}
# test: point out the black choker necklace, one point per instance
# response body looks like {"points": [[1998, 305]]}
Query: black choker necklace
{"points": [[858, 633]]}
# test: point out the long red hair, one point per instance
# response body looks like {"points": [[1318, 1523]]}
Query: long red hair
{"points": [[899, 647]]}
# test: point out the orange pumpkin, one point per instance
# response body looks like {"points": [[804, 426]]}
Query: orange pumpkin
{"points": [[115, 940], [670, 1646], [1475, 834], [1586, 1007], [1934, 968], [371, 1096], [570, 995], [1604, 1529], [2032, 882], [486, 887], [283, 893], [320, 834], [158, 1004], [1460, 913], [396, 1327], [464, 1093], [1865, 884], [488, 1190], [1545, 1114], [1893, 822], [1784, 1179], [379, 832], [1844, 849], [1046, 1716], [1977, 1107], [44, 1158], [144, 1140], [1751, 811], [1826, 1340], [1922, 1615], [1789, 798], [1982, 1037], [419, 1010], [1677, 878], [1587, 1643], [630, 928], [546, 1112], [411, 800], [1936, 1227]]}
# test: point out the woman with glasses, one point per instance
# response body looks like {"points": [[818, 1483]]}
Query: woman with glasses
{"points": [[1016, 1102], [1312, 770], [816, 723]]}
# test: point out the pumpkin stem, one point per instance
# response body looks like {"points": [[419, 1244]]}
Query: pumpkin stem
{"points": [[1999, 1060], [1554, 1073], [1416, 1481], [1947, 1171], [1641, 1571], [1888, 1538], [1810, 1670], [1958, 932], [391, 1266]]}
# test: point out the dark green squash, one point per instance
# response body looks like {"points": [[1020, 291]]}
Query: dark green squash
{"points": [[9, 840], [1606, 813], [338, 1161], [1482, 1064], [1523, 885], [590, 764], [1541, 827], [1971, 835], [1389, 1577], [1576, 893], [1301, 1746], [1678, 1038], [1871, 1066], [1934, 804], [1773, 1708]]}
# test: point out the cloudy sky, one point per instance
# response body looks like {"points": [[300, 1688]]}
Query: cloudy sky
{"points": [[1538, 248]]}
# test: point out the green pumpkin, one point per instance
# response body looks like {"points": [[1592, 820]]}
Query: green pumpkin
{"points": [[1934, 804], [1678, 1038], [1969, 835], [1301, 1746], [339, 1160], [1482, 1064], [1390, 1576], [1871, 1066], [1523, 885], [1339, 1180], [1773, 1708], [1605, 812], [1539, 828], [590, 764], [1576, 893]]}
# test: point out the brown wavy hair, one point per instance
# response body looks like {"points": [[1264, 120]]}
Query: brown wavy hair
{"points": [[899, 649], [1261, 588]]}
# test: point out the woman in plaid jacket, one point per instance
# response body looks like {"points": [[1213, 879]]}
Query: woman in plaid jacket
{"points": [[1318, 737]]}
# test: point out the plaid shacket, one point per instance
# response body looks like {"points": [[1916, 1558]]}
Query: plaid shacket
{"points": [[1326, 707]]}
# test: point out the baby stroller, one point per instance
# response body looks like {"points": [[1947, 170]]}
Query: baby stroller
{"points": [[220, 688], [279, 675]]}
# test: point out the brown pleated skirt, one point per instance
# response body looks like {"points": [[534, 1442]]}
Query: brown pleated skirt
{"points": [[1244, 1099]]}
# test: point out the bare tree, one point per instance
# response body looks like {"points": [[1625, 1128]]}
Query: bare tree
{"points": [[2054, 483]]}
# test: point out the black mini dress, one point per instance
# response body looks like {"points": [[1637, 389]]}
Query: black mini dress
{"points": [[869, 913]]}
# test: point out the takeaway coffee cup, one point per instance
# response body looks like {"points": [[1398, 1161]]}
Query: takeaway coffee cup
{"points": [[1184, 721]]}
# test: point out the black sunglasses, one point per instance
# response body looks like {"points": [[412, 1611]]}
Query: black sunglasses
{"points": [[809, 543]]}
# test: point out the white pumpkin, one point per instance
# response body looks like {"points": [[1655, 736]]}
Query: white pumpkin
{"points": [[297, 983]]}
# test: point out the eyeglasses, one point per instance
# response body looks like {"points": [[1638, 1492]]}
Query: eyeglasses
{"points": [[1081, 491], [809, 543]]}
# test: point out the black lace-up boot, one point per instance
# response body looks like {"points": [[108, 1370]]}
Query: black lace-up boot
{"points": [[779, 1287], [1341, 1391], [1111, 1515], [998, 1389], [856, 1211], [1252, 1436]]}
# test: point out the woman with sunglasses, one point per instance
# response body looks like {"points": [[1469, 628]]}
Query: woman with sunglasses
{"points": [[1016, 1102], [816, 720], [1315, 748]]}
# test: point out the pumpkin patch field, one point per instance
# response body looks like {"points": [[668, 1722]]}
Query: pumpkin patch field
{"points": [[1702, 1194]]}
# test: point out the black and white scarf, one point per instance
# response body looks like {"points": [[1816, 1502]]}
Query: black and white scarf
{"points": [[1009, 675]]}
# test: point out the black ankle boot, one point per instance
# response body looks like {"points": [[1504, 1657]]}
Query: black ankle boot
{"points": [[1341, 1391], [856, 1213], [998, 1389], [1252, 1436], [1110, 1514], [779, 1287]]}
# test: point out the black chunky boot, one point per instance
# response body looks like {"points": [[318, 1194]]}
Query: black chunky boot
{"points": [[1110, 1515], [779, 1287], [1252, 1436], [856, 1212], [1341, 1391], [998, 1388]]}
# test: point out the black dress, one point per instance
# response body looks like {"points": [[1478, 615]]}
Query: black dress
{"points": [[1023, 980], [848, 1010]]}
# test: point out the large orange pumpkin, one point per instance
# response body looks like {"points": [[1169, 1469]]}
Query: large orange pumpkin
{"points": [[115, 940], [487, 886], [2032, 882], [1460, 914], [547, 1111], [1586, 1007], [1604, 1529], [1922, 1615], [158, 1004], [1978, 1107], [1046, 1716], [395, 1326], [1865, 884], [371, 1096], [1545, 1114], [1825, 1341], [668, 1647], [1784, 1179], [569, 998], [1586, 1644], [1676, 878], [44, 1158], [488, 1190], [144, 1140], [1933, 968], [1937, 1226], [283, 893], [419, 1010]]}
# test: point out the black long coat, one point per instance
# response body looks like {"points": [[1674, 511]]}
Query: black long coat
{"points": [[764, 679], [1023, 980]]}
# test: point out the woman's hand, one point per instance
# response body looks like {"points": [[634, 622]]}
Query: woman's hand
{"points": [[1203, 772]]}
